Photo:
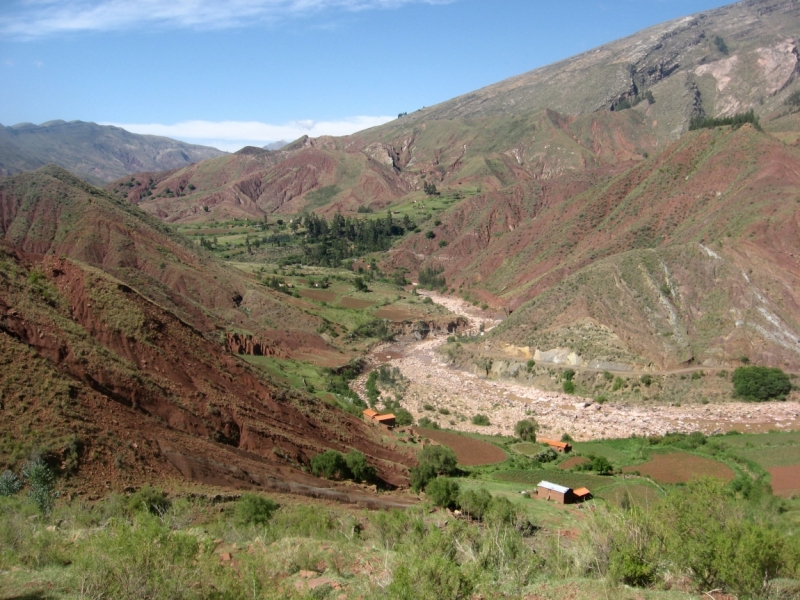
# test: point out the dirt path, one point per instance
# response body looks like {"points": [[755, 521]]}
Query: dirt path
{"points": [[463, 394]]}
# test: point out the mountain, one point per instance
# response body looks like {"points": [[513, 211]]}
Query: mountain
{"points": [[612, 104], [276, 145], [118, 364], [95, 153], [576, 196]]}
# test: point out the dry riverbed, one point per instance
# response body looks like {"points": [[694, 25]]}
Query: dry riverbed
{"points": [[433, 382]]}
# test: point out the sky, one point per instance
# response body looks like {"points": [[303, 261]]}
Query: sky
{"points": [[230, 73]]}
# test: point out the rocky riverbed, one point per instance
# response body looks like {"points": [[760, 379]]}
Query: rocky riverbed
{"points": [[432, 382]]}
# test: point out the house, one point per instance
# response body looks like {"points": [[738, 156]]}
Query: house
{"points": [[552, 491], [387, 420], [562, 494], [582, 494], [557, 446]]}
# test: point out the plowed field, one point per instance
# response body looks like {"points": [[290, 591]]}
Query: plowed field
{"points": [[319, 295], [470, 452], [573, 462], [680, 467], [355, 303], [785, 480]]}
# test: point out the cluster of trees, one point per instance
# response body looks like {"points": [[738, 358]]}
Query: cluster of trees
{"points": [[626, 103], [335, 465], [330, 242], [761, 383], [734, 121], [431, 277]]}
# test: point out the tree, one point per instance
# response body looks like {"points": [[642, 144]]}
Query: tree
{"points": [[330, 465], [433, 461], [42, 483], [526, 430], [443, 492], [481, 420], [474, 502], [359, 468], [761, 383], [429, 189]]}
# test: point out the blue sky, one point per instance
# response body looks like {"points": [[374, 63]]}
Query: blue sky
{"points": [[236, 72]]}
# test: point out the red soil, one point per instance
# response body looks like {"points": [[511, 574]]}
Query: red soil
{"points": [[319, 295], [573, 462], [470, 452], [785, 480], [394, 314], [680, 467], [355, 303]]}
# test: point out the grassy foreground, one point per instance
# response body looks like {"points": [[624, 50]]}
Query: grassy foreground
{"points": [[702, 536]]}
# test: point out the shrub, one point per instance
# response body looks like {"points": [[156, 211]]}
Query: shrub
{"points": [[442, 492], [402, 417], [481, 420], [647, 380], [42, 482], [252, 509], [569, 374], [427, 423], [433, 461], [761, 383], [359, 468], [474, 502], [330, 465], [598, 464], [428, 407], [431, 277], [618, 383], [569, 387], [149, 500], [607, 376], [500, 511], [530, 364], [526, 430], [9, 484]]}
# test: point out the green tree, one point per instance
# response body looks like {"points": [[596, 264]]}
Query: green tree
{"points": [[433, 461], [443, 492], [330, 465], [761, 383], [359, 468], [474, 502], [42, 482], [481, 420], [569, 387], [526, 430]]}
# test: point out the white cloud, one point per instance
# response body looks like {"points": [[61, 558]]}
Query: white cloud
{"points": [[37, 18], [233, 135]]}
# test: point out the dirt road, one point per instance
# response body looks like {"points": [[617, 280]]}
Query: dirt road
{"points": [[462, 394]]}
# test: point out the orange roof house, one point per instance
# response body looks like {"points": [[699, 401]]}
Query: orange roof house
{"points": [[582, 494], [557, 446], [370, 414], [387, 420]]}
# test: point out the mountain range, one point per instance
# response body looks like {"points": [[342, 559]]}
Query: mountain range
{"points": [[596, 201], [96, 153]]}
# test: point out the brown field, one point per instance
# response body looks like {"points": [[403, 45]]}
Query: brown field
{"points": [[680, 467], [319, 295], [573, 462], [637, 493], [470, 452], [394, 314], [348, 302], [785, 480]]}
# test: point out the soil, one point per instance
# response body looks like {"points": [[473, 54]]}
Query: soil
{"points": [[785, 480], [573, 462], [356, 303], [394, 314], [470, 452], [319, 295], [680, 467]]}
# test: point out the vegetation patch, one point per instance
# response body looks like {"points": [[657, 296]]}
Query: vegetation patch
{"points": [[680, 467], [469, 452]]}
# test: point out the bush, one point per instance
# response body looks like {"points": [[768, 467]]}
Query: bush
{"points": [[569, 387], [474, 502], [598, 464], [433, 461], [761, 383], [569, 374], [607, 376], [500, 511], [427, 423], [359, 468], [9, 484], [481, 420], [529, 365], [442, 492], [618, 383], [330, 465], [252, 509], [149, 500], [526, 430], [42, 482], [402, 417], [647, 380]]}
